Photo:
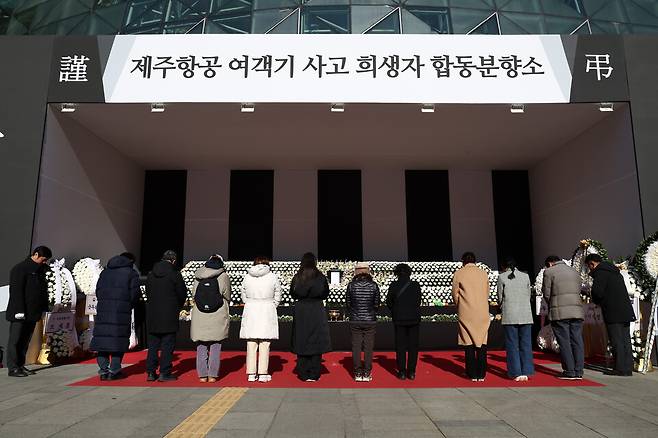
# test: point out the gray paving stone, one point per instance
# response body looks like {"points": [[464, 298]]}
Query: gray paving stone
{"points": [[403, 434], [390, 423], [218, 433], [35, 431], [245, 421], [477, 428]]}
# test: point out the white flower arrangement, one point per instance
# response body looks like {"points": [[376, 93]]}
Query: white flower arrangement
{"points": [[60, 284], [637, 348], [539, 280], [435, 279], [59, 344], [651, 260], [85, 273]]}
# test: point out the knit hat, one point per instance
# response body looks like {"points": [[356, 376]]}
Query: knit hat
{"points": [[169, 256], [362, 267], [215, 262]]}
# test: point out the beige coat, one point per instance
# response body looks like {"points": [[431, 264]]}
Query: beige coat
{"points": [[211, 327], [470, 290]]}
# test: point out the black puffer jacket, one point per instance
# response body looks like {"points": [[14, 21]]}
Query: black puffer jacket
{"points": [[28, 291], [362, 299], [166, 294], [609, 292]]}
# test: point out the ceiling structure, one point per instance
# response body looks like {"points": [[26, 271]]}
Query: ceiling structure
{"points": [[310, 136]]}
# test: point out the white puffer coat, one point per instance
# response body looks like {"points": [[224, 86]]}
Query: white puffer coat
{"points": [[261, 294]]}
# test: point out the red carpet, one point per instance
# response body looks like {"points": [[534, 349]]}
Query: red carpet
{"points": [[436, 369]]}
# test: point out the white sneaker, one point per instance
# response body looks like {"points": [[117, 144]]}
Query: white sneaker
{"points": [[252, 377], [264, 378]]}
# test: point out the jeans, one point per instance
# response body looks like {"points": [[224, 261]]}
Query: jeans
{"points": [[569, 335], [518, 345], [20, 333], [165, 343], [207, 359], [406, 343], [258, 357], [620, 340], [476, 361], [109, 363], [309, 367], [363, 340]]}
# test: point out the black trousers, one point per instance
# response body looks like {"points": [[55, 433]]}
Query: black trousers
{"points": [[620, 339], [476, 361], [406, 347], [20, 333], [309, 366], [165, 343], [363, 340]]}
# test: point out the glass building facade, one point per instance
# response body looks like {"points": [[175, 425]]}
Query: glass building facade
{"points": [[507, 17]]}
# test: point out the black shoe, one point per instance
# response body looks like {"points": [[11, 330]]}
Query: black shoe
{"points": [[116, 376], [30, 372], [104, 377], [565, 376], [402, 375], [167, 378], [17, 373], [151, 377], [411, 375]]}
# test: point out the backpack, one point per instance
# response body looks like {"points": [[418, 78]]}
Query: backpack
{"points": [[207, 297]]}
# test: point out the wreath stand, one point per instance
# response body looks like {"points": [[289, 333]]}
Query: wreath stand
{"points": [[651, 332]]}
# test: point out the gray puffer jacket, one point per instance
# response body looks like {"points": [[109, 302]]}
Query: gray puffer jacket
{"points": [[561, 290]]}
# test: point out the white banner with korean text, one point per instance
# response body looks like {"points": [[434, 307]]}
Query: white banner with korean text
{"points": [[337, 69]]}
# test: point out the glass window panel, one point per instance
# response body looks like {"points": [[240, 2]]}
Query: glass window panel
{"points": [[527, 23], [582, 30], [182, 28], [187, 9], [95, 25], [266, 20], [320, 19], [565, 8], [232, 23], [144, 13], [651, 6], [640, 14], [414, 25], [288, 26], [644, 29], [463, 20], [55, 10], [327, 2], [611, 10], [562, 25], [112, 15], [481, 4], [609, 27], [63, 27], [489, 27], [273, 4], [520, 6], [212, 28], [437, 19], [430, 3], [364, 17], [230, 6], [390, 24]]}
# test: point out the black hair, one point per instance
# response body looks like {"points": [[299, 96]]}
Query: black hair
{"points": [[402, 270], [169, 256], [308, 268], [510, 264], [551, 259], [43, 251], [468, 257], [593, 258], [130, 256]]}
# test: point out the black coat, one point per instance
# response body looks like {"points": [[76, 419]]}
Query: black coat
{"points": [[166, 294], [310, 328], [362, 299], [28, 291], [405, 307], [117, 291], [609, 292]]}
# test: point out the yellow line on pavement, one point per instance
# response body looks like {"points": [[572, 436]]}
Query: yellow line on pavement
{"points": [[203, 419]]}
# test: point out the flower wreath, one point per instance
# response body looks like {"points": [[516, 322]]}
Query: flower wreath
{"points": [[645, 265]]}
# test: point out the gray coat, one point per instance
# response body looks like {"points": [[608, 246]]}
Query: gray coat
{"points": [[211, 327], [561, 290], [514, 297]]}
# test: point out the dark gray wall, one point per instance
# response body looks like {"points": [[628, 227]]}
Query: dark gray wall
{"points": [[24, 74], [642, 68]]}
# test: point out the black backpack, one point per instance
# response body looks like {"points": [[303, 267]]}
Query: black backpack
{"points": [[207, 297]]}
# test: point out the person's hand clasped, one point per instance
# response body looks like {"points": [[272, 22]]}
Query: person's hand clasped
{"points": [[19, 316]]}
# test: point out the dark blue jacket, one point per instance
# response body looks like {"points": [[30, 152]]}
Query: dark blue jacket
{"points": [[117, 291]]}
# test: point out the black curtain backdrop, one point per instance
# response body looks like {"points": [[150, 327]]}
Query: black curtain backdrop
{"points": [[429, 236], [340, 236], [163, 219], [250, 214], [511, 193]]}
